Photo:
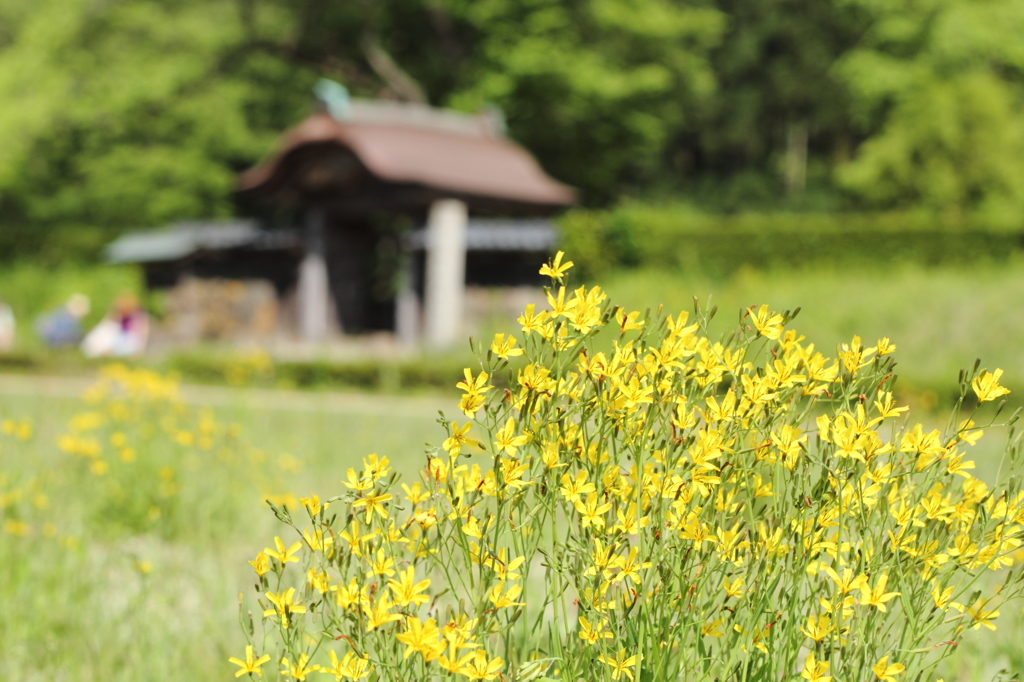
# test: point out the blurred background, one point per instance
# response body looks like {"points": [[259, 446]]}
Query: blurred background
{"points": [[258, 197]]}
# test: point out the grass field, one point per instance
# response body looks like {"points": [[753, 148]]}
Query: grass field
{"points": [[87, 597], [93, 588], [91, 595]]}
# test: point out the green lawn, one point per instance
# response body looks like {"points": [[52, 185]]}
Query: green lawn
{"points": [[78, 607]]}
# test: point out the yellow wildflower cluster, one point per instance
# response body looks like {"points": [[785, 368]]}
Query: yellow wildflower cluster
{"points": [[23, 499], [135, 438], [643, 502]]}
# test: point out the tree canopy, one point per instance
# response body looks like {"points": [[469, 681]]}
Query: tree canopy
{"points": [[137, 112]]}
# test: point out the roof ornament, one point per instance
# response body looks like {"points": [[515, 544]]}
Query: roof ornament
{"points": [[494, 119], [334, 97]]}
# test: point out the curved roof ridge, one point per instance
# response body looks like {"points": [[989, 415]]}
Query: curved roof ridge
{"points": [[412, 114], [414, 145]]}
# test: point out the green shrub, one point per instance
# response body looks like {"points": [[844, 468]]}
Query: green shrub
{"points": [[679, 236]]}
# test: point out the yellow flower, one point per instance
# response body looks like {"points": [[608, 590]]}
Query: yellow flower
{"points": [[848, 583], [814, 670], [532, 322], [407, 590], [472, 528], [592, 633], [734, 588], [284, 606], [986, 386], [473, 398], [453, 444], [373, 503], [475, 386], [505, 348], [504, 570], [354, 539], [318, 540], [621, 664], [415, 494], [630, 567], [628, 523], [318, 580], [854, 355], [376, 468], [500, 600], [251, 664], [627, 322], [941, 596], [357, 482], [768, 324], [470, 403], [979, 616], [382, 565], [573, 488], [886, 672], [956, 465], [261, 565], [592, 513], [713, 628], [556, 269], [379, 613], [347, 596], [281, 554], [422, 638], [884, 347], [312, 504], [876, 596], [298, 670], [476, 666], [459, 633], [351, 666], [506, 440], [887, 405], [818, 627]]}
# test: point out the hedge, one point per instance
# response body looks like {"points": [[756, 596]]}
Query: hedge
{"points": [[677, 236]]}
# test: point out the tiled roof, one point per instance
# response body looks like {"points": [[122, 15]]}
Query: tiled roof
{"points": [[416, 145], [186, 238]]}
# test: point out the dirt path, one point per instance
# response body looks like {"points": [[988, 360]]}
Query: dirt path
{"points": [[338, 402]]}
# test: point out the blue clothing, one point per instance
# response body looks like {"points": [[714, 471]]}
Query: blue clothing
{"points": [[59, 328]]}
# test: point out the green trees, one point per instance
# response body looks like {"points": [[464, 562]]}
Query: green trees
{"points": [[122, 114], [937, 89], [137, 112], [596, 89]]}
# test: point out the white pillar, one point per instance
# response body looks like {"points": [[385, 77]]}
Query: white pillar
{"points": [[407, 318], [314, 290], [446, 272], [407, 306]]}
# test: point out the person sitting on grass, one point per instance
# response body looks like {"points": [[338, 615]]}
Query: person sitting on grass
{"points": [[62, 328], [7, 328], [122, 333]]}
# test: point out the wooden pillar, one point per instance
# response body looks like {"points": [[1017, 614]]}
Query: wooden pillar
{"points": [[314, 290], [445, 272]]}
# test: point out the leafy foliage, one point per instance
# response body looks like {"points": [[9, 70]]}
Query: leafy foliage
{"points": [[138, 112]]}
